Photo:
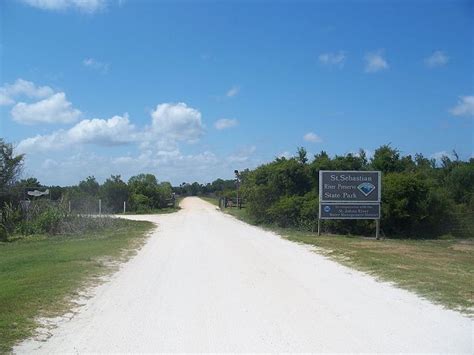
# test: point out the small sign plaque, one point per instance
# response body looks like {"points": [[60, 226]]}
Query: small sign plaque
{"points": [[349, 211]]}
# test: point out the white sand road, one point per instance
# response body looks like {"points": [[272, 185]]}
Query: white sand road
{"points": [[205, 282]]}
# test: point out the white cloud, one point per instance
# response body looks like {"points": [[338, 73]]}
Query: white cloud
{"points": [[233, 91], [439, 155], [437, 59], [375, 62], [113, 131], [10, 92], [225, 123], [105, 132], [86, 6], [464, 107], [54, 109], [368, 153], [242, 155], [286, 154], [96, 65], [312, 137], [176, 122], [337, 59], [171, 123]]}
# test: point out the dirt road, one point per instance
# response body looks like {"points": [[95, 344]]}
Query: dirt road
{"points": [[207, 282]]}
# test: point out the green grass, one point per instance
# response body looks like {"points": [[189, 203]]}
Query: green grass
{"points": [[40, 276], [439, 270], [157, 210], [212, 200]]}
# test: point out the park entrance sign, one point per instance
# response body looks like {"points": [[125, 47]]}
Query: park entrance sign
{"points": [[350, 195], [349, 186]]}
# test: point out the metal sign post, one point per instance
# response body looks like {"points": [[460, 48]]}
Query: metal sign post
{"points": [[377, 229]]}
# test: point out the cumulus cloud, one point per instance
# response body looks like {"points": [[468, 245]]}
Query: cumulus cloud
{"points": [[86, 6], [177, 122], [368, 153], [286, 154], [225, 123], [54, 109], [438, 156], [105, 132], [23, 88], [375, 62], [437, 59], [96, 65], [312, 138], [464, 107], [233, 91], [336, 59], [154, 148], [171, 123], [242, 155]]}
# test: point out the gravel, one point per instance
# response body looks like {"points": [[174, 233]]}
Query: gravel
{"points": [[206, 282]]}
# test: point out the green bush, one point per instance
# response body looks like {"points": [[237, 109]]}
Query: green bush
{"points": [[460, 182], [309, 212], [49, 220], [420, 199], [287, 211], [41, 217], [412, 206], [140, 203], [10, 218]]}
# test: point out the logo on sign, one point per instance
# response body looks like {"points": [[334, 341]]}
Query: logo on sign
{"points": [[327, 209], [366, 188]]}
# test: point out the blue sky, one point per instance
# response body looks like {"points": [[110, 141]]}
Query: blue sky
{"points": [[191, 90]]}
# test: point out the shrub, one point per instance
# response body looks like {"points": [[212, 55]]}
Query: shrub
{"points": [[412, 207], [85, 224], [140, 203], [10, 217], [309, 212], [287, 211]]}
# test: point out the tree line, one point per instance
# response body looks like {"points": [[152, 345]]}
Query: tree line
{"points": [[420, 198], [142, 193]]}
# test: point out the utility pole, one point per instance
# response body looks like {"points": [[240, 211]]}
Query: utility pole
{"points": [[237, 179]]}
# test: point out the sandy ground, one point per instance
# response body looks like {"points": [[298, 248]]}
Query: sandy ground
{"points": [[205, 282]]}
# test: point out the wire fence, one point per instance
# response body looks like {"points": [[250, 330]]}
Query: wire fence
{"points": [[228, 202]]}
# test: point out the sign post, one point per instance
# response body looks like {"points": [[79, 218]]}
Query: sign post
{"points": [[350, 195]]}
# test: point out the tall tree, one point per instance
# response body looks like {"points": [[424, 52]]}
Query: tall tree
{"points": [[115, 192], [10, 165]]}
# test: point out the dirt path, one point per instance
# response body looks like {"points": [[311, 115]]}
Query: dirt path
{"points": [[207, 282]]}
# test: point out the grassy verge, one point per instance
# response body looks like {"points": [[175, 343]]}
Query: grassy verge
{"points": [[439, 270], [212, 200], [157, 210], [40, 276]]}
